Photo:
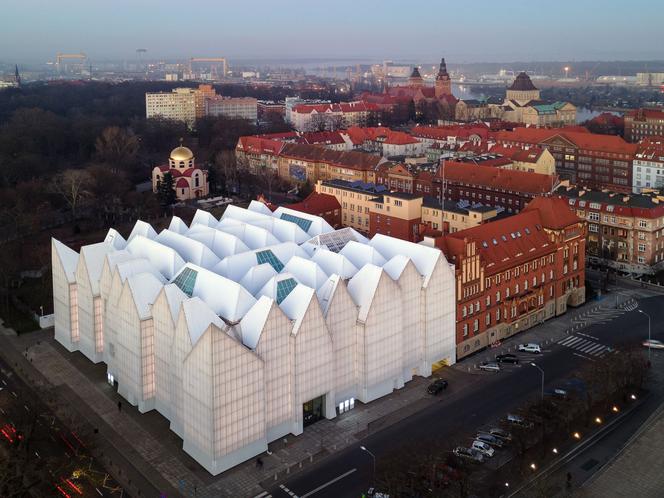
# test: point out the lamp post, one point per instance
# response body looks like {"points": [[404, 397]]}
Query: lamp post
{"points": [[566, 68], [533, 364], [649, 348], [373, 458]]}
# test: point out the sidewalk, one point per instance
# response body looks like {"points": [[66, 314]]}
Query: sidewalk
{"points": [[145, 451]]}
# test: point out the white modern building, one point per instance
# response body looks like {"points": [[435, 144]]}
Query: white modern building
{"points": [[242, 330], [230, 107]]}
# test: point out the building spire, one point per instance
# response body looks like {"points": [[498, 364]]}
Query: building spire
{"points": [[17, 76]]}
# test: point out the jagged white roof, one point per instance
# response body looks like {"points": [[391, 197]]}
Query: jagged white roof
{"points": [[94, 256], [316, 224], [144, 289], [335, 241], [177, 225], [361, 254], [199, 317], [326, 292], [362, 288], [235, 267], [68, 258], [259, 207], [144, 229], [271, 287], [221, 243], [252, 325], [137, 265], [204, 218], [254, 237], [256, 277], [189, 249], [164, 258], [225, 297], [395, 266], [296, 304], [306, 271], [424, 258], [114, 238], [334, 263], [174, 297], [284, 231]]}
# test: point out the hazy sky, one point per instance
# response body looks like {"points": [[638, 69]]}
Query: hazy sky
{"points": [[420, 30]]}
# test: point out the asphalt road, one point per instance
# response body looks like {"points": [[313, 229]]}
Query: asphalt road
{"points": [[51, 443], [349, 472]]}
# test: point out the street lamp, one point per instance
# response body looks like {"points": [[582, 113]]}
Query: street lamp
{"points": [[649, 348], [533, 364], [373, 458], [566, 68]]}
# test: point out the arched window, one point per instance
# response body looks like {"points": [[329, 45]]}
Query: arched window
{"points": [[196, 181]]}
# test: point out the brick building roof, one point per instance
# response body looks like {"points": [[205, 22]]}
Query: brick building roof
{"points": [[522, 82], [497, 178], [314, 153], [344, 107], [644, 205], [504, 243], [555, 212], [316, 204]]}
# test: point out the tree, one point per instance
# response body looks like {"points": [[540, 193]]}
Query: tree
{"points": [[166, 190], [117, 147], [72, 185]]}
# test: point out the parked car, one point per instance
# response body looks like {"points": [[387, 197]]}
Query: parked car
{"points": [[518, 420], [500, 433], [437, 386], [484, 448], [494, 441], [490, 367], [530, 348], [558, 393], [469, 454], [507, 358], [653, 344]]}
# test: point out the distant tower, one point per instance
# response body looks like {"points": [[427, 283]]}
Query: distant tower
{"points": [[522, 90], [443, 81], [17, 77], [415, 78]]}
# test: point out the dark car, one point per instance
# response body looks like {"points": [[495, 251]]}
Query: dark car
{"points": [[437, 386], [491, 439], [507, 358], [501, 433]]}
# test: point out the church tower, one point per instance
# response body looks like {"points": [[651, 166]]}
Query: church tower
{"points": [[415, 79], [443, 81], [17, 77]]}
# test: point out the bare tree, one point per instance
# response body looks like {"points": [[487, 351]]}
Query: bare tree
{"points": [[117, 147], [72, 185]]}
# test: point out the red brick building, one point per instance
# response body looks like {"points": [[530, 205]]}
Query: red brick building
{"points": [[323, 205], [514, 273], [642, 123], [597, 161]]}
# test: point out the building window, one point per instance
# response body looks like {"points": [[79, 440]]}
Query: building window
{"points": [[465, 330], [488, 301], [476, 325], [498, 296], [463, 312], [642, 247], [498, 315], [477, 306]]}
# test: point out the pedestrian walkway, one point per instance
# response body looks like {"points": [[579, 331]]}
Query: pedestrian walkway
{"points": [[585, 345]]}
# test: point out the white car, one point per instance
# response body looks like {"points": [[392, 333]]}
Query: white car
{"points": [[483, 448], [653, 344], [490, 367], [530, 348]]}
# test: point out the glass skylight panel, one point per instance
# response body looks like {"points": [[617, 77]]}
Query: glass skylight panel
{"points": [[303, 223], [284, 287], [334, 241], [186, 281], [268, 256]]}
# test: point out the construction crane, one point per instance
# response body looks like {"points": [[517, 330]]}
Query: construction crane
{"points": [[80, 60]]}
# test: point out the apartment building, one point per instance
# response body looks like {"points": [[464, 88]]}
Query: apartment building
{"points": [[239, 108], [642, 123], [625, 231], [649, 165]]}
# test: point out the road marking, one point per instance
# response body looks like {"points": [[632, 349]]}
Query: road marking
{"points": [[323, 486], [597, 349], [264, 493], [582, 356], [288, 491], [4, 382], [588, 336], [100, 493]]}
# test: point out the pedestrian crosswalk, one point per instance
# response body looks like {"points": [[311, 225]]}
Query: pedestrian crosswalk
{"points": [[585, 346]]}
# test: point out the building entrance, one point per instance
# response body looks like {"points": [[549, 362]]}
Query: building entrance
{"points": [[313, 410]]}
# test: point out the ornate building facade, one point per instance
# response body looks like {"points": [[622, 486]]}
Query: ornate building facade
{"points": [[189, 181]]}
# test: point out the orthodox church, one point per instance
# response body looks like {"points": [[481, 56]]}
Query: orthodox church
{"points": [[189, 181]]}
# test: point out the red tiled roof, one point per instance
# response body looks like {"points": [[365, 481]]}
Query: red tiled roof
{"points": [[352, 159], [359, 135], [320, 137], [316, 204], [258, 145], [443, 132], [497, 178], [652, 149], [503, 243], [555, 212], [646, 113], [182, 183], [582, 139], [530, 155]]}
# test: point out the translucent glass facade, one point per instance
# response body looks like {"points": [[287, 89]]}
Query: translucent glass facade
{"points": [[229, 327]]}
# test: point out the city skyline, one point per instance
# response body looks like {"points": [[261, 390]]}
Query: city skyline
{"points": [[482, 32]]}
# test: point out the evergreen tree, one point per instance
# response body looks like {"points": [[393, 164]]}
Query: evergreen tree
{"points": [[166, 190]]}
